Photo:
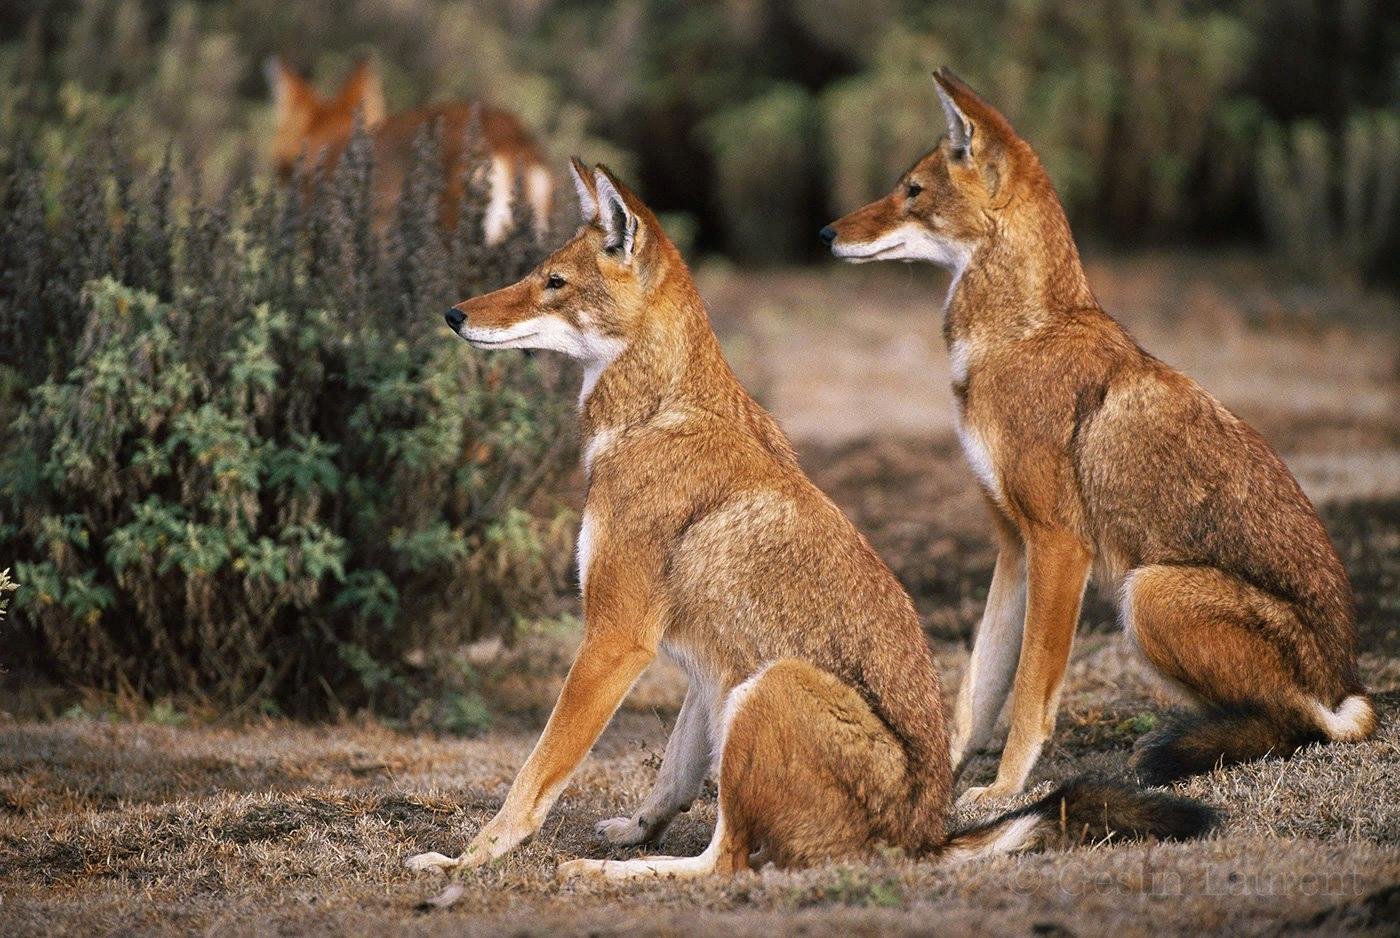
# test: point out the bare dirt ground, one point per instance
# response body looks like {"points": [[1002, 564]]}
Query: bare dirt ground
{"points": [[284, 828]]}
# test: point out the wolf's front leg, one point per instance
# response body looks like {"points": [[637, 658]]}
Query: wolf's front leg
{"points": [[1057, 566], [608, 662], [682, 773]]}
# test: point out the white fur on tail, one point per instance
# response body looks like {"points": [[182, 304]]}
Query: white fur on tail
{"points": [[1351, 721], [1007, 837]]}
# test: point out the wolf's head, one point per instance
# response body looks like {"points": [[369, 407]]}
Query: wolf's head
{"points": [[591, 297], [307, 124], [955, 198]]}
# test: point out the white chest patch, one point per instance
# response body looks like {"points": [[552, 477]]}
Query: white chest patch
{"points": [[599, 352], [959, 360], [957, 263], [597, 445], [585, 550], [979, 457]]}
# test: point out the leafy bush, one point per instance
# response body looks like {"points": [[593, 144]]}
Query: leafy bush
{"points": [[191, 72], [876, 124], [1329, 201], [7, 586], [246, 463]]}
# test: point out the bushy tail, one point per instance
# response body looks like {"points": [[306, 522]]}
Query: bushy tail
{"points": [[1085, 810], [1190, 743]]}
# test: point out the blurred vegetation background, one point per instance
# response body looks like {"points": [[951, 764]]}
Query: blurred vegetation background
{"points": [[1160, 120], [242, 466]]}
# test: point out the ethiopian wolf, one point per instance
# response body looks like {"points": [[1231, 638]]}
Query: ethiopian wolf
{"points": [[308, 126], [1093, 454]]}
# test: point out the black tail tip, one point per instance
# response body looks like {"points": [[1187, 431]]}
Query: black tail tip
{"points": [[1183, 745], [1174, 817]]}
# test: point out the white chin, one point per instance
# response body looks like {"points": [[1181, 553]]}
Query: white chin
{"points": [[906, 243], [540, 332], [862, 254], [549, 333], [485, 343]]}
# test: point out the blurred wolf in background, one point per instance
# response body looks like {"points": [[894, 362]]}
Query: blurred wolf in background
{"points": [[308, 126], [1092, 453]]}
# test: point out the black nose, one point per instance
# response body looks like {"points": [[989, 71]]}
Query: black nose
{"points": [[828, 235], [455, 317]]}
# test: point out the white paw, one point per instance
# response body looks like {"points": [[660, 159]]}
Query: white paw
{"points": [[431, 861], [972, 796], [982, 794], [621, 831]]}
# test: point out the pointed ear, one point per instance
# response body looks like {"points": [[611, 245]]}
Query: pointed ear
{"points": [[586, 189], [364, 89], [978, 136], [960, 127], [619, 222], [292, 97], [973, 125]]}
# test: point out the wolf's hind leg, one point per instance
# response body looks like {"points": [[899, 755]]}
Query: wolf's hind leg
{"points": [[1265, 686], [680, 778], [725, 854], [807, 772]]}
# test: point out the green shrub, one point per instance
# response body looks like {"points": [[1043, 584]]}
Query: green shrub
{"points": [[1147, 112], [191, 72], [877, 123], [1329, 201], [7, 586], [246, 463]]}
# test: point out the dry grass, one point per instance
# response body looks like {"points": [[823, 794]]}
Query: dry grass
{"points": [[284, 828]]}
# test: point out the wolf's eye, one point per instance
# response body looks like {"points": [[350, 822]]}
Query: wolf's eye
{"points": [[554, 282], [912, 190]]}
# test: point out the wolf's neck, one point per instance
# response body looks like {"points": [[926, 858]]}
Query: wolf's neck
{"points": [[1028, 277], [673, 362], [607, 352]]}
